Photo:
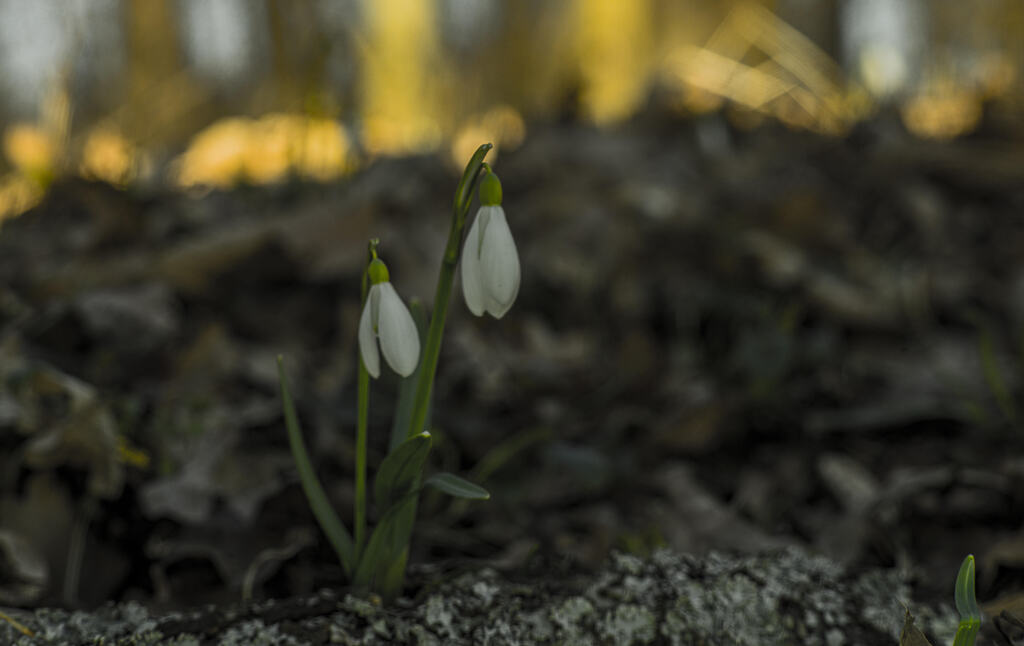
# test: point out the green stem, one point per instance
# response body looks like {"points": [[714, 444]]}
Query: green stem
{"points": [[362, 416], [460, 207], [363, 395]]}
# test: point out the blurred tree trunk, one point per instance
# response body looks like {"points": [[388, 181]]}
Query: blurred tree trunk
{"points": [[159, 92], [299, 54]]}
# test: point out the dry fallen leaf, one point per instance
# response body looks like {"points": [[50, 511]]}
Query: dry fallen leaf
{"points": [[911, 635]]}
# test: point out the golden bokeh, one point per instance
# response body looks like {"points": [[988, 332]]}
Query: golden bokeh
{"points": [[403, 77], [268, 149], [501, 125], [412, 91], [613, 51], [108, 156], [32, 151], [942, 112]]}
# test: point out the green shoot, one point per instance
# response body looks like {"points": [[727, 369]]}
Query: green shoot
{"points": [[966, 604]]}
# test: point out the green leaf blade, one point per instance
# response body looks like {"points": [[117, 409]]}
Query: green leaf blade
{"points": [[966, 604], [457, 487], [963, 595], [329, 521], [400, 472], [396, 492], [388, 539]]}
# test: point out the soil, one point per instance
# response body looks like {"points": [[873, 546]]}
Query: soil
{"points": [[725, 340]]}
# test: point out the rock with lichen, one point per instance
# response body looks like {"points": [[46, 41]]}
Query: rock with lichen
{"points": [[789, 597]]}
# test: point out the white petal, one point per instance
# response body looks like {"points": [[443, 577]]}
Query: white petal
{"points": [[499, 262], [472, 284], [399, 340], [367, 336]]}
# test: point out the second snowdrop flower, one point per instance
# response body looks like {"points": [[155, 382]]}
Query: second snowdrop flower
{"points": [[385, 318], [490, 262]]}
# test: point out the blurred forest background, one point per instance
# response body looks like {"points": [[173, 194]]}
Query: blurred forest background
{"points": [[198, 93]]}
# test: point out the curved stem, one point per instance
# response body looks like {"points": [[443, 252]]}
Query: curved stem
{"points": [[432, 350]]}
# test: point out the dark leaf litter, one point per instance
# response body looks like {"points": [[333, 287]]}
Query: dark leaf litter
{"points": [[782, 342]]}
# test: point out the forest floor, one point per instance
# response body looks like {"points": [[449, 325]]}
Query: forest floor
{"points": [[724, 341]]}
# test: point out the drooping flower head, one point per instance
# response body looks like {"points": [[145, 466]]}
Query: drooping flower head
{"points": [[490, 261], [385, 318]]}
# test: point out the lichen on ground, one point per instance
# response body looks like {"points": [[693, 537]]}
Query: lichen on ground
{"points": [[789, 597]]}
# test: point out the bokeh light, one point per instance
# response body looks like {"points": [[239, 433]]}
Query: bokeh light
{"points": [[125, 91]]}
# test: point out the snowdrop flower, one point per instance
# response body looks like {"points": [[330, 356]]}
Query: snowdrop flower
{"points": [[490, 262], [386, 318]]}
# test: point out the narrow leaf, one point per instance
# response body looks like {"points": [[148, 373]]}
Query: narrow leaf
{"points": [[392, 579], [453, 485], [396, 491], [329, 521], [388, 540], [24, 630], [963, 595], [390, 575], [400, 471]]}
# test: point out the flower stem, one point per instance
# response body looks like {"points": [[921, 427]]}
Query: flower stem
{"points": [[363, 395], [432, 350], [362, 419]]}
